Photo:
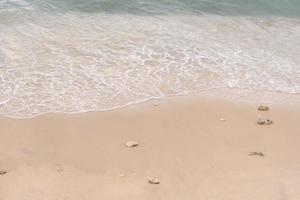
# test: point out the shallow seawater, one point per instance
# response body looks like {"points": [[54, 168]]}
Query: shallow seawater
{"points": [[74, 56]]}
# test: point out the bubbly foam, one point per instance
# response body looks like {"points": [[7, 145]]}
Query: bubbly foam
{"points": [[75, 62]]}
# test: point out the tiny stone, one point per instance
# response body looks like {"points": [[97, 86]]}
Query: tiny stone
{"points": [[122, 175], [132, 144], [264, 121], [59, 169], [3, 172], [263, 108], [223, 120], [154, 181], [256, 154]]}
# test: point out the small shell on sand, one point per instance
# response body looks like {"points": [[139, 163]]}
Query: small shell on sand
{"points": [[3, 172], [256, 154], [154, 181], [262, 121], [132, 144], [263, 108], [222, 119]]}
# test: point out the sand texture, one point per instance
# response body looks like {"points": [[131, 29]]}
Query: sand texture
{"points": [[194, 148]]}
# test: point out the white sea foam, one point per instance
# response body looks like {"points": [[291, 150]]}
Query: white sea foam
{"points": [[75, 62]]}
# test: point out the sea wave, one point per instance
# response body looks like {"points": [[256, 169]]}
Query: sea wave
{"points": [[76, 61]]}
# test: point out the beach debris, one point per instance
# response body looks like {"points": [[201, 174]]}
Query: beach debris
{"points": [[264, 121], [254, 153], [153, 181], [222, 119], [3, 172], [263, 108], [130, 144], [59, 169]]}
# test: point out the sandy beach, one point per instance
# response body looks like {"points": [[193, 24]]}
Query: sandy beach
{"points": [[149, 99], [197, 148]]}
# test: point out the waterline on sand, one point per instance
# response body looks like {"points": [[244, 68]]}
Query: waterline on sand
{"points": [[79, 61]]}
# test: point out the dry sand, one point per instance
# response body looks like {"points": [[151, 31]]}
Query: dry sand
{"points": [[182, 143]]}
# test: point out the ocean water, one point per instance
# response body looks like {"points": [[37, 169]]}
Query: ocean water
{"points": [[74, 56]]}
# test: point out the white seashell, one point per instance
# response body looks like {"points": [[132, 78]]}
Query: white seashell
{"points": [[132, 144]]}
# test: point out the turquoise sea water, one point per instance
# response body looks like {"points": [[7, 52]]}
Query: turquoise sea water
{"points": [[150, 7], [74, 56]]}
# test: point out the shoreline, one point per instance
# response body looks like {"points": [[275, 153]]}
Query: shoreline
{"points": [[230, 95], [182, 141]]}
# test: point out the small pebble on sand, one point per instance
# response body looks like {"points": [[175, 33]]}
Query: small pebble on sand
{"points": [[3, 172], [59, 169], [130, 144], [256, 154], [154, 181], [263, 121], [263, 108], [222, 119]]}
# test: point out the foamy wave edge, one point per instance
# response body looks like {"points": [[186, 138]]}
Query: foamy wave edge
{"points": [[221, 94]]}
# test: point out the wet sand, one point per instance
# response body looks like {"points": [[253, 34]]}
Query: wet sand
{"points": [[183, 143]]}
